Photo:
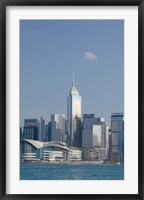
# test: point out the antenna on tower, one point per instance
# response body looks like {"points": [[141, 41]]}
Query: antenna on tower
{"points": [[73, 79]]}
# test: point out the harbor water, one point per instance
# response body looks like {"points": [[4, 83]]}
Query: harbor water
{"points": [[70, 171]]}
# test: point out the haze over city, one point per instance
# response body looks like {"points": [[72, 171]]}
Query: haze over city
{"points": [[50, 50]]}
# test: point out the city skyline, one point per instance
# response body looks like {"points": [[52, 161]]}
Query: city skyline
{"points": [[91, 140], [52, 49]]}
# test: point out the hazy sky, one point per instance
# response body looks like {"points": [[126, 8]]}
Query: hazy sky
{"points": [[50, 50]]}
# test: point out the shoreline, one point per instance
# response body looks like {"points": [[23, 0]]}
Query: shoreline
{"points": [[70, 162]]}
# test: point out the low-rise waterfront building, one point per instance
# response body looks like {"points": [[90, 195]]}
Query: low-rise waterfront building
{"points": [[51, 151], [28, 149], [75, 154], [94, 154]]}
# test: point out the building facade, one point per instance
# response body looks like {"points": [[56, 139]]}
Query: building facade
{"points": [[94, 154], [49, 151], [117, 136], [58, 127], [94, 132], [34, 129], [48, 132], [42, 131], [74, 117], [31, 129]]}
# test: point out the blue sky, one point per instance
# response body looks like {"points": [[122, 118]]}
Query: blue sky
{"points": [[50, 50]]}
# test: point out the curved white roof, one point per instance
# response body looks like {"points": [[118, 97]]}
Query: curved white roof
{"points": [[35, 143], [40, 144], [57, 144]]}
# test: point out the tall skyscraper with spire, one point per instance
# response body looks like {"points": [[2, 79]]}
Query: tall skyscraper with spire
{"points": [[74, 117]]}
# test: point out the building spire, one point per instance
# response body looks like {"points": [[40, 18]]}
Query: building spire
{"points": [[73, 83], [73, 90]]}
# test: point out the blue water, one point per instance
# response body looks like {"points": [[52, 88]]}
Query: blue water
{"points": [[67, 171]]}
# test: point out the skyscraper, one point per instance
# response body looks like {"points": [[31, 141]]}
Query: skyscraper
{"points": [[73, 116], [34, 129], [42, 136], [30, 129], [58, 127], [94, 131], [48, 132], [117, 136]]}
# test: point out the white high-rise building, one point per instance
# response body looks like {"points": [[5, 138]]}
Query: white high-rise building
{"points": [[74, 117]]}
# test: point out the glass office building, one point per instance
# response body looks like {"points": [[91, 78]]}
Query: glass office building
{"points": [[34, 129], [74, 117], [58, 127], [117, 136]]}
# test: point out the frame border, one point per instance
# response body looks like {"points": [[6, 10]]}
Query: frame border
{"points": [[3, 5]]}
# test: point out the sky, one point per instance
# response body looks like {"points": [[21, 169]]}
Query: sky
{"points": [[51, 50]]}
